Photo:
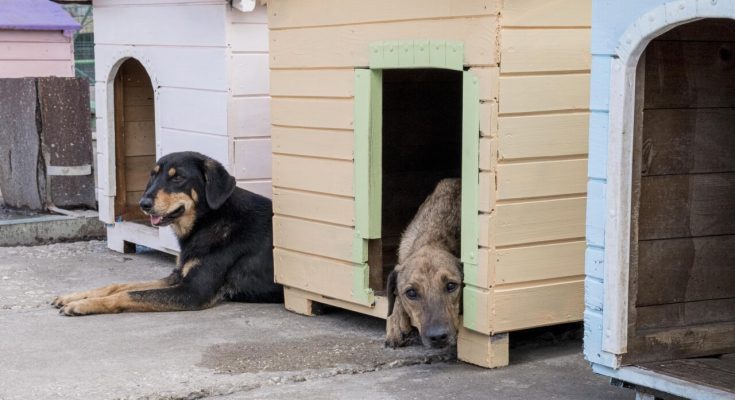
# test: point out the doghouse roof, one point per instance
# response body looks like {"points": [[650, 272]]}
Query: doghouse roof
{"points": [[35, 15]]}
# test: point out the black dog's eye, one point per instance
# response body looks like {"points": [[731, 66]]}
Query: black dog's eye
{"points": [[411, 294], [178, 179], [451, 286]]}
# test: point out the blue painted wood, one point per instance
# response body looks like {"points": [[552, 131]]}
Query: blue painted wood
{"points": [[600, 85], [597, 165], [596, 205], [593, 340], [594, 262], [610, 18], [593, 294]]}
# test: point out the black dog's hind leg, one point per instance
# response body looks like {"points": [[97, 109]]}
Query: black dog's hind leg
{"points": [[181, 297]]}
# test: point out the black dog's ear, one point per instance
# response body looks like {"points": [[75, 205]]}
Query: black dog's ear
{"points": [[219, 184], [391, 287]]}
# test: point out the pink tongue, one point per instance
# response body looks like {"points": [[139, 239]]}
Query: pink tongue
{"points": [[155, 219]]}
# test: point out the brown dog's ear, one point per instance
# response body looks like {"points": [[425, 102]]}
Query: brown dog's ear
{"points": [[219, 184], [391, 287]]}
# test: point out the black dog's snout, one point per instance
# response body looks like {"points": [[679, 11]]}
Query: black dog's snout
{"points": [[437, 336], [146, 204]]}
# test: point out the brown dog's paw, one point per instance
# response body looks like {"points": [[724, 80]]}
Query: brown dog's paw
{"points": [[395, 341]]}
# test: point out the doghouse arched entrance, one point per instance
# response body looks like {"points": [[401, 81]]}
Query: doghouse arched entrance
{"points": [[135, 138], [681, 293]]}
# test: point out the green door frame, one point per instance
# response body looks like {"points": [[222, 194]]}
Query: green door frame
{"points": [[368, 148]]}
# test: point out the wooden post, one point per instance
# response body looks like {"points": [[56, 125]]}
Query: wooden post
{"points": [[485, 351], [295, 302]]}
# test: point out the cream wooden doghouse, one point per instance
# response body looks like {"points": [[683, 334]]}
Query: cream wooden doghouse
{"points": [[174, 76], [374, 102], [660, 286]]}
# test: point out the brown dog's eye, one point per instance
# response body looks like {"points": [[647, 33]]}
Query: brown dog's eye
{"points": [[451, 286], [411, 294]]}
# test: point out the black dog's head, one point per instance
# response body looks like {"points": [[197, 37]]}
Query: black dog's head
{"points": [[182, 186]]}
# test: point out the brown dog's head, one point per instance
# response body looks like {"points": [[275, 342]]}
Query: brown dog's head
{"points": [[427, 286], [176, 187]]}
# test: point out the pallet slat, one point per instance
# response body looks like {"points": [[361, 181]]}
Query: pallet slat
{"points": [[347, 46], [337, 210], [531, 136], [545, 50], [310, 174], [313, 237], [544, 178]]}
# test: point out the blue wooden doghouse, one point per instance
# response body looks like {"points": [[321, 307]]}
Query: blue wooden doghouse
{"points": [[660, 260]]}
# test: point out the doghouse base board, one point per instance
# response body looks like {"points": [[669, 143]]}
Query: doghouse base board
{"points": [[680, 382], [300, 302], [121, 235]]}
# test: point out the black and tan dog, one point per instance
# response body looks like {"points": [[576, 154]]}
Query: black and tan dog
{"points": [[225, 236], [424, 290]]}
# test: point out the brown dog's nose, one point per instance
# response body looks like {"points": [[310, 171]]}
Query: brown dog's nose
{"points": [[437, 336]]}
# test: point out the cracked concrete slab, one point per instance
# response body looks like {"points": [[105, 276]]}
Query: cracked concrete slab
{"points": [[235, 350]]}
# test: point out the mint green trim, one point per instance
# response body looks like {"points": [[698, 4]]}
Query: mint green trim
{"points": [[368, 152], [469, 307], [417, 54], [470, 189], [470, 167], [368, 179]]}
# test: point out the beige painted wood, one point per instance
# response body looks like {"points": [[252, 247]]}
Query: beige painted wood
{"points": [[533, 263], [486, 267], [303, 271], [486, 197], [313, 83], [539, 304], [313, 174], [311, 237], [544, 50], [532, 136], [526, 94], [326, 143], [546, 13], [347, 46], [319, 207], [378, 310], [295, 13], [542, 178], [488, 229], [295, 301], [536, 221], [489, 119], [488, 78], [488, 154], [312, 113], [485, 351]]}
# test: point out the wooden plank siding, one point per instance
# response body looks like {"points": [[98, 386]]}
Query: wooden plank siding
{"points": [[35, 53], [533, 121]]}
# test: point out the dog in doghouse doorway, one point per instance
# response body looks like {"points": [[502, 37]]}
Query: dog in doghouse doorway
{"points": [[226, 240], [424, 290]]}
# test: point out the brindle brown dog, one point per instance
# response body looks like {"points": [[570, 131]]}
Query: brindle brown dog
{"points": [[424, 290], [226, 240]]}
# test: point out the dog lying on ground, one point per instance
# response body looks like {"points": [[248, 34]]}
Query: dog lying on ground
{"points": [[225, 235], [424, 289]]}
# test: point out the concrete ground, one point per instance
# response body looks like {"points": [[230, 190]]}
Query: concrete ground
{"points": [[239, 351]]}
